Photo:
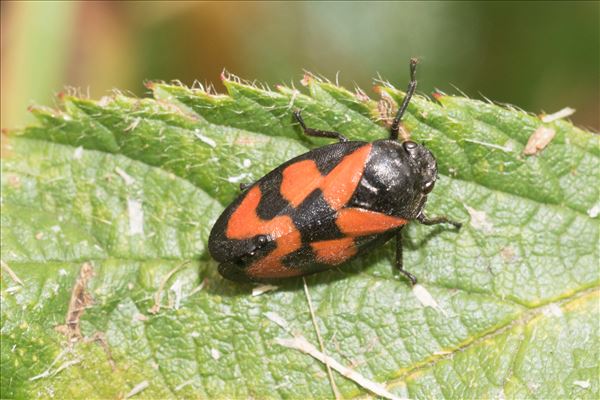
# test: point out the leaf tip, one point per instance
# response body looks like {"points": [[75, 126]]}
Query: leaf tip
{"points": [[38, 111], [150, 85], [361, 95], [225, 75], [438, 95], [307, 79]]}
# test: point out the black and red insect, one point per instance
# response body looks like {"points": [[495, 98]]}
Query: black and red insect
{"points": [[324, 207]]}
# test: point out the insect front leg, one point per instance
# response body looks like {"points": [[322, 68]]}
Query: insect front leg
{"points": [[316, 132], [399, 264], [437, 220]]}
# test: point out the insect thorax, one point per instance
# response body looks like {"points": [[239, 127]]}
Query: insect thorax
{"points": [[394, 179]]}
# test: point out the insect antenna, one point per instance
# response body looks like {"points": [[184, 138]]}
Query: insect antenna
{"points": [[412, 86]]}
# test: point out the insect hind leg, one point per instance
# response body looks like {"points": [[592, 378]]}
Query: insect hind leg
{"points": [[316, 132]]}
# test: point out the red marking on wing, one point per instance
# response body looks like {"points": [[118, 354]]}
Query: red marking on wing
{"points": [[334, 251], [359, 222], [339, 185], [302, 178], [244, 223], [271, 265], [299, 180]]}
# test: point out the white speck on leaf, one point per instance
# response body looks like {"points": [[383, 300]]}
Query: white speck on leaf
{"points": [[560, 114], [479, 220], [137, 389], [136, 217], [246, 163], [582, 384], [55, 228], [78, 153], [552, 310], [425, 298], [205, 139], [238, 178], [257, 291], [176, 288], [276, 318], [184, 384], [506, 149], [594, 211], [538, 140], [215, 354], [129, 180]]}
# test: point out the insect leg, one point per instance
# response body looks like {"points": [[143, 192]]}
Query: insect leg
{"points": [[318, 133], [437, 220], [399, 264], [412, 86]]}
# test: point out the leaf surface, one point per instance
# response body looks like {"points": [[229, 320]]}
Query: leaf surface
{"points": [[132, 187]]}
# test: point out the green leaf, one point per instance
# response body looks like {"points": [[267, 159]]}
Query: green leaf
{"points": [[130, 188]]}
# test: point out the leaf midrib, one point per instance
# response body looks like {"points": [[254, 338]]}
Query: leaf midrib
{"points": [[523, 319]]}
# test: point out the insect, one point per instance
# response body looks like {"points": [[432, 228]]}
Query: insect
{"points": [[326, 206]]}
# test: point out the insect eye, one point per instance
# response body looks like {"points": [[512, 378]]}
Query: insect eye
{"points": [[409, 146], [428, 187]]}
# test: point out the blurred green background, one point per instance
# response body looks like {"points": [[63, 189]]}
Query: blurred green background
{"points": [[539, 56]]}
